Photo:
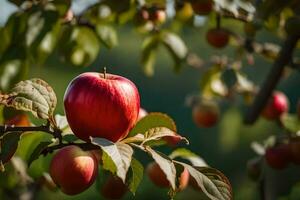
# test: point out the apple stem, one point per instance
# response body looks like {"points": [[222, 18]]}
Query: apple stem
{"points": [[104, 72], [218, 21]]}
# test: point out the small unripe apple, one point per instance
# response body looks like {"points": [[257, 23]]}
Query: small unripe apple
{"points": [[254, 168], [217, 37], [157, 16], [202, 7], [158, 177], [18, 120], [295, 151], [113, 188], [101, 105], [142, 113], [277, 105], [278, 157], [73, 170], [206, 114]]}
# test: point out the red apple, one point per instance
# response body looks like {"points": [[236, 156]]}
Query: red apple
{"points": [[73, 169], [18, 120], [142, 113], [206, 114], [217, 37], [277, 105], [202, 7], [278, 157], [141, 17], [113, 188], [101, 105], [158, 177]]}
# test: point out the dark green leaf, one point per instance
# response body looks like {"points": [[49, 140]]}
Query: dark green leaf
{"points": [[70, 138], [149, 48], [108, 35], [9, 144], [37, 152], [153, 120], [137, 175]]}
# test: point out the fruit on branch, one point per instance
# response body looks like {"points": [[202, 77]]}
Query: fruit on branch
{"points": [[142, 113], [141, 17], [18, 120], [113, 188], [292, 25], [279, 156], [206, 114], [202, 7], [184, 11], [217, 37], [73, 169], [157, 15], [101, 105], [295, 150], [158, 177], [277, 105], [254, 168]]}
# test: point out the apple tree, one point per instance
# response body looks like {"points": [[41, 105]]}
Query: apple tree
{"points": [[104, 124]]}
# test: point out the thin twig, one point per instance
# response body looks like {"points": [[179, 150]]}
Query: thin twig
{"points": [[272, 79]]}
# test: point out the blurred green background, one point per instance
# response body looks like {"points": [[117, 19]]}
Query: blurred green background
{"points": [[225, 147]]}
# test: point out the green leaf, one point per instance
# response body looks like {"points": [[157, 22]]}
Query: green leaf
{"points": [[211, 84], [211, 181], [188, 155], [137, 175], [158, 133], [149, 48], [37, 152], [176, 47], [108, 35], [166, 165], [229, 77], [291, 122], [33, 95], [62, 6], [9, 144], [11, 72], [120, 154], [153, 120], [80, 46], [69, 138]]}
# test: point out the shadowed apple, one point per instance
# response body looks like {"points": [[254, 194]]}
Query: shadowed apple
{"points": [[73, 169], [113, 188]]}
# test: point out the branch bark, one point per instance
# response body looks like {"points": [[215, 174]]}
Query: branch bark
{"points": [[272, 79]]}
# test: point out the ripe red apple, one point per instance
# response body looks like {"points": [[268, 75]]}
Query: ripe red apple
{"points": [[18, 120], [202, 7], [73, 169], [206, 114], [295, 151], [158, 177], [278, 157], [142, 113], [217, 37], [277, 105], [101, 105], [113, 188]]}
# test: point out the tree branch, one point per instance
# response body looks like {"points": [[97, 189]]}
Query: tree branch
{"points": [[273, 77], [83, 146]]}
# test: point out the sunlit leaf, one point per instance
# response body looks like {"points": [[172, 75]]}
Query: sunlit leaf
{"points": [[188, 155], [108, 35]]}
